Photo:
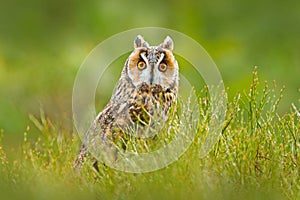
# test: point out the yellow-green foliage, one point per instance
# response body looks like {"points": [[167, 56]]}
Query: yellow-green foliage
{"points": [[256, 157]]}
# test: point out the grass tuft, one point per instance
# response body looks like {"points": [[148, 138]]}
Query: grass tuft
{"points": [[256, 157]]}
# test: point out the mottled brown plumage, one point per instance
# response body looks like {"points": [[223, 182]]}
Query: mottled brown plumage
{"points": [[146, 90]]}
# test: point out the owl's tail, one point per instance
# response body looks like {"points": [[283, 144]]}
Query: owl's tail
{"points": [[81, 156]]}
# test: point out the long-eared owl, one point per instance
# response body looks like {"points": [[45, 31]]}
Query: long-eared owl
{"points": [[147, 88]]}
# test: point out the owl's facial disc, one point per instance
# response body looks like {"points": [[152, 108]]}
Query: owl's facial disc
{"points": [[153, 62], [153, 65]]}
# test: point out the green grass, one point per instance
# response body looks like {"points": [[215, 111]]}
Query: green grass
{"points": [[256, 157]]}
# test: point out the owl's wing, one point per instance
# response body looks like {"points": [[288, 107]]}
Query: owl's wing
{"points": [[100, 127]]}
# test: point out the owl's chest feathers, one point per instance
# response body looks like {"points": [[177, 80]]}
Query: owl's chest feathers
{"points": [[150, 101], [137, 104]]}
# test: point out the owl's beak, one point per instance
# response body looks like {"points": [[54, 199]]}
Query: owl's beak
{"points": [[152, 64]]}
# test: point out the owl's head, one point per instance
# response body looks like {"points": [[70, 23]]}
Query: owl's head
{"points": [[153, 65]]}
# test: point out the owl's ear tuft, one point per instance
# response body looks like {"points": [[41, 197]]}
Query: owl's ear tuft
{"points": [[140, 42], [168, 43]]}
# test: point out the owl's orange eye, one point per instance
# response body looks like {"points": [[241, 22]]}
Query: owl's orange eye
{"points": [[162, 67], [141, 65]]}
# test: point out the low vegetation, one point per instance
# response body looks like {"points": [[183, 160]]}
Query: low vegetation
{"points": [[257, 156]]}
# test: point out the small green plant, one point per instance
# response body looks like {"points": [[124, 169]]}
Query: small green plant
{"points": [[256, 157]]}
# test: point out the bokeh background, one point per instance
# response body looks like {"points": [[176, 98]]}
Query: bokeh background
{"points": [[43, 43]]}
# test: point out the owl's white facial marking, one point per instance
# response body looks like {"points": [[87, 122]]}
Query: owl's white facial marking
{"points": [[144, 57], [161, 58], [161, 67]]}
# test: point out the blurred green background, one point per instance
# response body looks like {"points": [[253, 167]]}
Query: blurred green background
{"points": [[43, 43]]}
